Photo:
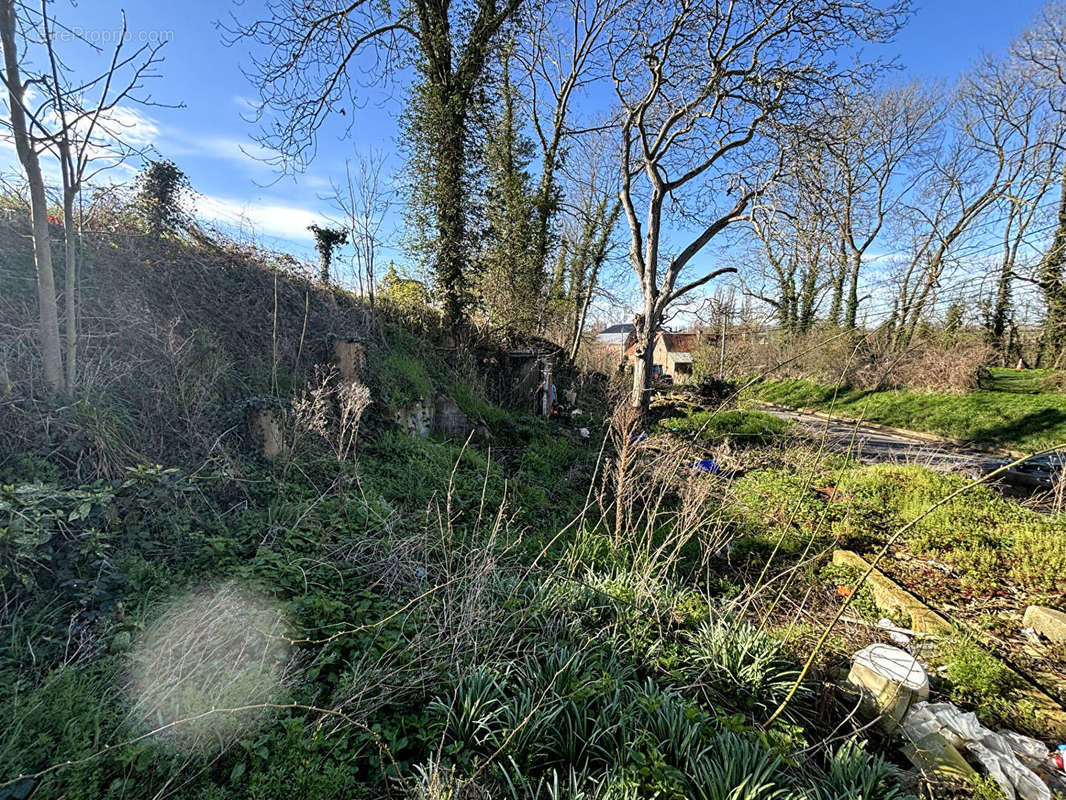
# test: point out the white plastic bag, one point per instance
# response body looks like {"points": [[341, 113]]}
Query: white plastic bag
{"points": [[995, 751]]}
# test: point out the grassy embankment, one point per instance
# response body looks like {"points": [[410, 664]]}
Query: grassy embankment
{"points": [[1011, 410]]}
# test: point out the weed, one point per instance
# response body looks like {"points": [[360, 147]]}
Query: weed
{"points": [[738, 664], [977, 678], [842, 580]]}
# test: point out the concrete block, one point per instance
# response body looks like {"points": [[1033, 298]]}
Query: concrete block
{"points": [[1048, 622], [266, 431], [891, 597], [350, 357]]}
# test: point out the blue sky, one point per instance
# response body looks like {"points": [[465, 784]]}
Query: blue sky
{"points": [[211, 142]]}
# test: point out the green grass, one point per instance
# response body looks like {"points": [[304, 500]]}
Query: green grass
{"points": [[1014, 414], [1026, 381], [754, 427], [987, 539]]}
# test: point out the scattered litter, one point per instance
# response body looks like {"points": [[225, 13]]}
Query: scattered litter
{"points": [[1031, 634], [894, 633], [638, 437], [1004, 755], [584, 433], [577, 412], [1057, 758], [845, 591], [708, 465]]}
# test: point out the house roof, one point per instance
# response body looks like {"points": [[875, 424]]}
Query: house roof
{"points": [[616, 334]]}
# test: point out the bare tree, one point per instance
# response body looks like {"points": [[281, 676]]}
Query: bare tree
{"points": [[564, 52], [872, 143], [85, 135], [966, 177], [795, 256], [1032, 153], [707, 88], [583, 251], [1042, 52], [363, 203], [88, 140], [27, 150]]}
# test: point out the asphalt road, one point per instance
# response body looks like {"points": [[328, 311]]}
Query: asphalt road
{"points": [[875, 446]]}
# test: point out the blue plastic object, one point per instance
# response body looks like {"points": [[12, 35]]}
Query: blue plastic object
{"points": [[708, 465]]}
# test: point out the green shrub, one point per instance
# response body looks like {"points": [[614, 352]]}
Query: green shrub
{"points": [[746, 427]]}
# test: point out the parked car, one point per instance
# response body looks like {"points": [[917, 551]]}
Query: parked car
{"points": [[1036, 473]]}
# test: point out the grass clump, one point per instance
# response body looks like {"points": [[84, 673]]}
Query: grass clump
{"points": [[403, 379], [479, 410], [735, 662]]}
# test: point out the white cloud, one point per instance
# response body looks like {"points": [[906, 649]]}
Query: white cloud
{"points": [[227, 148], [132, 126], [269, 219], [245, 104]]}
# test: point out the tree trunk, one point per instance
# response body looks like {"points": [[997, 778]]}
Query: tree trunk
{"points": [[836, 305], [807, 300], [647, 326], [70, 304], [451, 197], [851, 309], [1054, 288], [42, 251], [642, 371], [997, 328]]}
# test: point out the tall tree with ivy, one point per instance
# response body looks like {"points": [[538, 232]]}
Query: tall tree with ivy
{"points": [[317, 55], [511, 279]]}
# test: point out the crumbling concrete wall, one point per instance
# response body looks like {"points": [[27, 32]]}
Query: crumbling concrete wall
{"points": [[439, 415], [349, 356]]}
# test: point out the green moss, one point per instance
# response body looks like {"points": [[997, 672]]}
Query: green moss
{"points": [[977, 678], [846, 576]]}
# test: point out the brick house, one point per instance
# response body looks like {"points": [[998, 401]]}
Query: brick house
{"points": [[672, 354]]}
